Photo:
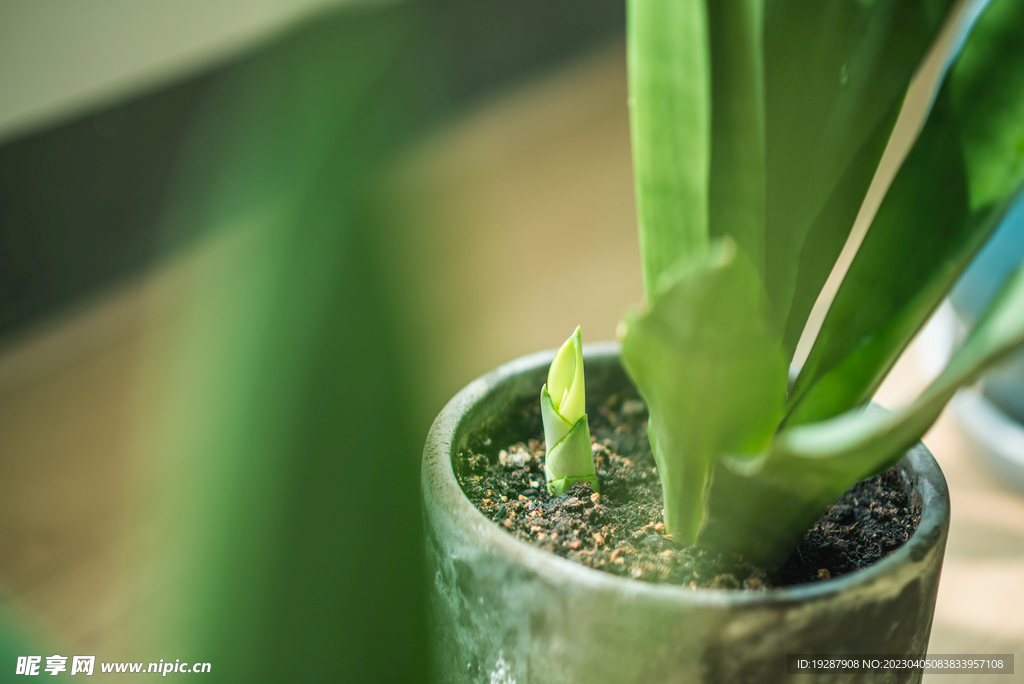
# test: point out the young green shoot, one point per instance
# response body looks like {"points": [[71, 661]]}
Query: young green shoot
{"points": [[566, 431]]}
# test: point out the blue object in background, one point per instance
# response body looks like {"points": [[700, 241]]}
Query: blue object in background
{"points": [[1003, 386]]}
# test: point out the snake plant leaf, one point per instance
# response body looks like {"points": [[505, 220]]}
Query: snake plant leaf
{"points": [[709, 364], [670, 125], [569, 457], [834, 70], [921, 239], [810, 466], [832, 227], [737, 190]]}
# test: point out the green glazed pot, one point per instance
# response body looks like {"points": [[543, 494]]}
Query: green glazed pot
{"points": [[503, 611]]}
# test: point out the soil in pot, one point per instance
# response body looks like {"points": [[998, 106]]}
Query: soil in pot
{"points": [[621, 531]]}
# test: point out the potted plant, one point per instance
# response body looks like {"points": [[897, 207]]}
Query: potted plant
{"points": [[757, 128]]}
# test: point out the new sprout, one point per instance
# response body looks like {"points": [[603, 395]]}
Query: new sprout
{"points": [[566, 431]]}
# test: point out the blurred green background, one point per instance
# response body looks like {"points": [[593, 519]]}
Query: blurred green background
{"points": [[248, 251]]}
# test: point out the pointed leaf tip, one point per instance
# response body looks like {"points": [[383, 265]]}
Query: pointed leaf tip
{"points": [[565, 379], [574, 405]]}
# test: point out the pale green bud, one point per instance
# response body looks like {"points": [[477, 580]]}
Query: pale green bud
{"points": [[565, 379], [566, 431]]}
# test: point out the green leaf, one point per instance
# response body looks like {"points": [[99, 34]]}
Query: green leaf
{"points": [[832, 227], [670, 122], [894, 283], [987, 90], [709, 365], [834, 69], [810, 466], [972, 148], [737, 184], [278, 342]]}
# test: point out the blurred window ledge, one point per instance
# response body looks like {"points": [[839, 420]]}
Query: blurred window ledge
{"points": [[60, 59]]}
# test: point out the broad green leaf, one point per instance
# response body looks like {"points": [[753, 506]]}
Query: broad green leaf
{"points": [[987, 90], [281, 347], [832, 227], [737, 185], [810, 466], [834, 69], [708, 363], [917, 228], [670, 122], [960, 178]]}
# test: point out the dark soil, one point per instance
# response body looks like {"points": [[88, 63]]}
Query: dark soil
{"points": [[621, 531]]}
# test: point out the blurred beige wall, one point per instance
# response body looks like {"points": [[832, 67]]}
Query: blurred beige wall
{"points": [[59, 58], [518, 223]]}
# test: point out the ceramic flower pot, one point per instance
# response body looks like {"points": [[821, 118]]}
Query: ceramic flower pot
{"points": [[504, 611]]}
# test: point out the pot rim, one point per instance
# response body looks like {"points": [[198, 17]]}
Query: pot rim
{"points": [[439, 484]]}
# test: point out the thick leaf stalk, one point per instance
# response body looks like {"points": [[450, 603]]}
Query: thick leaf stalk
{"points": [[566, 432], [709, 364]]}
